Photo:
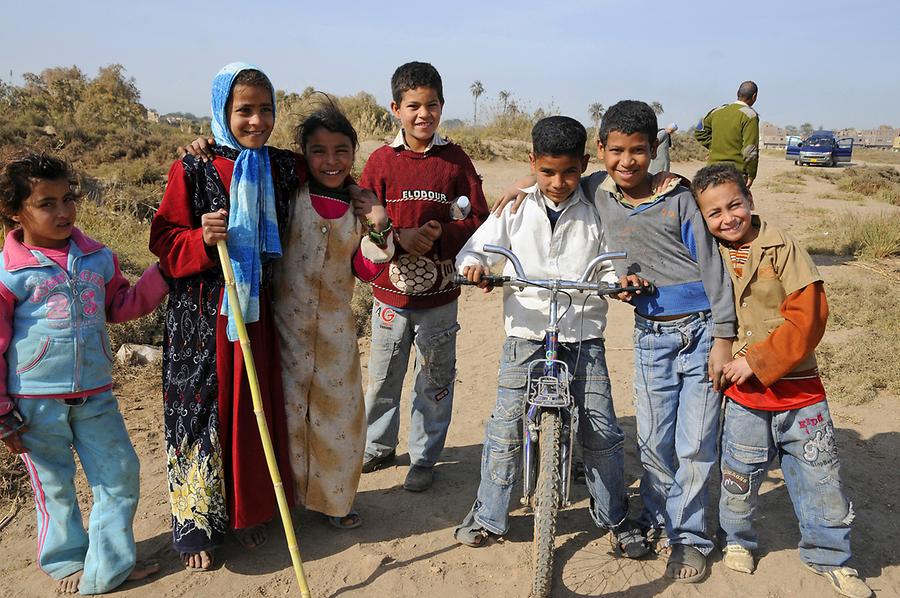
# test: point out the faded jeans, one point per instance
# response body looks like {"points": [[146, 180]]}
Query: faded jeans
{"points": [[677, 413], [394, 332], [803, 440], [601, 439]]}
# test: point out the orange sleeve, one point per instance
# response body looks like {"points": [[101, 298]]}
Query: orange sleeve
{"points": [[805, 313]]}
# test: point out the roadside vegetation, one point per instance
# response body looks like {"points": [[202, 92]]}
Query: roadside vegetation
{"points": [[857, 358]]}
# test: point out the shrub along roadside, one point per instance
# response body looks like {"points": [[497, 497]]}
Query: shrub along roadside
{"points": [[857, 359], [873, 237]]}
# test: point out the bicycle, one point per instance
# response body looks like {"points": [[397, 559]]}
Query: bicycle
{"points": [[550, 418]]}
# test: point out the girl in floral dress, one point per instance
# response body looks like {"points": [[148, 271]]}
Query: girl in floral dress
{"points": [[218, 479], [314, 284]]}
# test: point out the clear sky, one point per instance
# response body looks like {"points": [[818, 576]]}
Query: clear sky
{"points": [[831, 63]]}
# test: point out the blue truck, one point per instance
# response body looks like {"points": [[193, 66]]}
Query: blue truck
{"points": [[821, 148]]}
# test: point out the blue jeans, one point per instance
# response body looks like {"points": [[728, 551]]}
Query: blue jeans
{"points": [[106, 552], [394, 331], [602, 441], [803, 440], [677, 413]]}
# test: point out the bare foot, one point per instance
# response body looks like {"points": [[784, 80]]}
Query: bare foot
{"points": [[252, 537], [69, 584], [198, 561], [143, 569]]}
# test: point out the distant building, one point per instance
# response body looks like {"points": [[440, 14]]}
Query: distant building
{"points": [[152, 115], [882, 137], [772, 136]]}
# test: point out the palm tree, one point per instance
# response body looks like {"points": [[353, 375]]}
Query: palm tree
{"points": [[504, 95], [596, 109], [657, 108], [477, 89]]}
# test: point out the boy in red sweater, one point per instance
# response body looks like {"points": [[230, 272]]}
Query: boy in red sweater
{"points": [[420, 177]]}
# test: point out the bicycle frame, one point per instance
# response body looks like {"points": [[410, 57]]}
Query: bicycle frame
{"points": [[548, 378]]}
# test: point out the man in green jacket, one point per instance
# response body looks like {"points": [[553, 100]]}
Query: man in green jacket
{"points": [[731, 132]]}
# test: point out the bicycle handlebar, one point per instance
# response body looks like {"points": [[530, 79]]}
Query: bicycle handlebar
{"points": [[581, 284]]}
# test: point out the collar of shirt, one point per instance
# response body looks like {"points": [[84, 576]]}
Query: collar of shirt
{"points": [[535, 192], [742, 102], [399, 142], [610, 186]]}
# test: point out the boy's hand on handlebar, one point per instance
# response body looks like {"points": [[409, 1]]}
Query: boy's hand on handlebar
{"points": [[13, 442], [738, 371], [215, 227], [515, 194], [719, 356], [630, 280], [201, 148], [474, 275]]}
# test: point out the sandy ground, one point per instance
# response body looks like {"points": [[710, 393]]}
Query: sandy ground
{"points": [[406, 546]]}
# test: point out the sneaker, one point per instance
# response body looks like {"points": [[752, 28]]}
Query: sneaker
{"points": [[371, 464], [846, 581], [419, 478], [738, 558]]}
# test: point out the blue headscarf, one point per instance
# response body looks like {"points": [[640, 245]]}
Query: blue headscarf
{"points": [[252, 222]]}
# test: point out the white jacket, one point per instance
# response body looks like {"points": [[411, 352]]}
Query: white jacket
{"points": [[562, 253]]}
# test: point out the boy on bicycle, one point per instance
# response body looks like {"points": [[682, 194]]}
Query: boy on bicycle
{"points": [[776, 405], [555, 234]]}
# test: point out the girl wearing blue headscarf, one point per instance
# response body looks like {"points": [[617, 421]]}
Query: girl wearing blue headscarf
{"points": [[218, 480]]}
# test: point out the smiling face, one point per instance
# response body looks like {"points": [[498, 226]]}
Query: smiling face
{"points": [[48, 214], [727, 211], [627, 159], [419, 113], [558, 176], [330, 157], [251, 115]]}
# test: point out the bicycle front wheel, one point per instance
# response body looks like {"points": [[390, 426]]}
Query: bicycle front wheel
{"points": [[546, 503]]}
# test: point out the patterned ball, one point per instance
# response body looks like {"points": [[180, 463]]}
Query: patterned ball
{"points": [[413, 274]]}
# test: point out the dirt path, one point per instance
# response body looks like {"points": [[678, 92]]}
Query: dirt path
{"points": [[406, 547]]}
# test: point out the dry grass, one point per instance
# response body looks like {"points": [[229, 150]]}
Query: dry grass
{"points": [[871, 237], [685, 148], [14, 489], [361, 305], [822, 173], [857, 358], [875, 156], [878, 182], [786, 182]]}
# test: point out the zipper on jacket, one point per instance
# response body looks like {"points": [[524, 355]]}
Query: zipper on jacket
{"points": [[76, 382]]}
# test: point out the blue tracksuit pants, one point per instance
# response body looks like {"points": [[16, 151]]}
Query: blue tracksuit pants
{"points": [[96, 430]]}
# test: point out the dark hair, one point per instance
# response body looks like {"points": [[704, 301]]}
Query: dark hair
{"points": [[747, 90], [718, 174], [19, 172], [629, 117], [251, 78], [327, 116], [415, 74], [558, 136]]}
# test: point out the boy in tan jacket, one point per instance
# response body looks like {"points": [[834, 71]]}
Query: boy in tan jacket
{"points": [[776, 405]]}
